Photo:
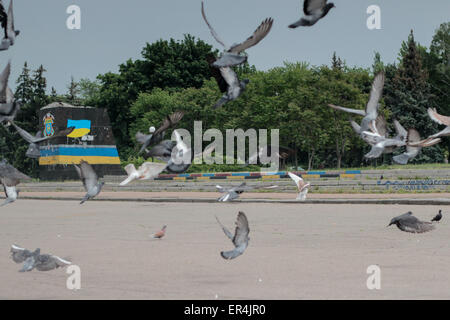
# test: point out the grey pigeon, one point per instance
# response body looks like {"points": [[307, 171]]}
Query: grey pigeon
{"points": [[33, 149], [158, 135], [370, 114], [7, 23], [314, 10], [408, 223], [19, 254], [43, 262], [10, 177], [240, 238], [89, 179], [413, 146], [234, 89], [438, 217], [380, 143], [232, 55], [234, 192]]}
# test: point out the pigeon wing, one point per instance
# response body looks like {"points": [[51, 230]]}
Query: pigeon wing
{"points": [[4, 76], [170, 121], [355, 111], [259, 34], [402, 134], [299, 182], [311, 6], [223, 86], [225, 230], [88, 175], [150, 170], [375, 95], [3, 16], [230, 76], [236, 252], [213, 32], [436, 117], [242, 230], [60, 261]]}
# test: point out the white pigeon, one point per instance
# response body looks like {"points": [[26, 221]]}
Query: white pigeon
{"points": [[148, 170], [301, 185]]}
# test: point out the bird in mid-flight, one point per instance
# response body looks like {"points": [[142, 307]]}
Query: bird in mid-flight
{"points": [[89, 179], [240, 238], [314, 10]]}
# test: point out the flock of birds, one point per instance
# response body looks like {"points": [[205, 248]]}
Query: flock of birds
{"points": [[177, 157]]}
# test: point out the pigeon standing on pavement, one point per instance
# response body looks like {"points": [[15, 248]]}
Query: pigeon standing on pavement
{"points": [[240, 238], [89, 179], [438, 217], [314, 10], [232, 55], [7, 23], [160, 233], [408, 223], [10, 177], [302, 186]]}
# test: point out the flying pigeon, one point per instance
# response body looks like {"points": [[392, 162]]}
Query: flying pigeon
{"points": [[413, 146], [314, 10], [19, 254], [160, 233], [301, 185], [370, 114], [438, 217], [436, 117], [232, 55], [158, 135], [282, 153], [234, 89], [408, 223], [148, 170], [379, 144], [33, 149], [240, 238], [89, 179], [177, 155], [8, 106], [233, 193], [7, 23], [10, 177]]}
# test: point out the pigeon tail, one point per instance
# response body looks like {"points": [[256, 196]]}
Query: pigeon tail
{"points": [[401, 159]]}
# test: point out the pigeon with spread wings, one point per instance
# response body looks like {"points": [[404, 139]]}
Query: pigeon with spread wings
{"points": [[240, 238], [7, 23], [302, 186], [370, 114], [10, 177], [157, 136], [408, 223], [232, 55], [89, 179], [33, 148], [438, 118], [19, 255], [313, 10], [413, 146], [234, 192]]}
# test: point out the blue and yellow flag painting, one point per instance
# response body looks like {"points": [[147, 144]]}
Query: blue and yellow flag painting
{"points": [[82, 127]]}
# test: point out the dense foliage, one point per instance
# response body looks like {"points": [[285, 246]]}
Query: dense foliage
{"points": [[174, 75]]}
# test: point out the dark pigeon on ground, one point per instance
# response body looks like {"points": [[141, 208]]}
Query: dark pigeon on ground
{"points": [[314, 10], [240, 238], [408, 223], [19, 254], [438, 217], [89, 179]]}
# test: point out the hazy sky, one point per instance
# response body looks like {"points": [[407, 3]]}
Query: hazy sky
{"points": [[113, 31]]}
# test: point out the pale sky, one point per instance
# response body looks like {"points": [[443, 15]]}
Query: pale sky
{"points": [[113, 31]]}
